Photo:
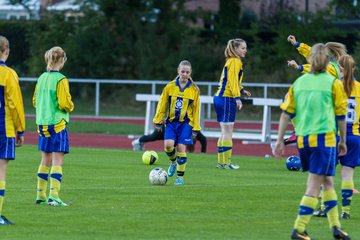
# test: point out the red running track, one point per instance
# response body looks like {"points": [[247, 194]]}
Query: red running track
{"points": [[123, 142]]}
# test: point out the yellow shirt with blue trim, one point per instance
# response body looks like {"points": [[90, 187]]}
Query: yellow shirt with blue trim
{"points": [[65, 103], [179, 104], [304, 50], [231, 79], [353, 111], [12, 116]]}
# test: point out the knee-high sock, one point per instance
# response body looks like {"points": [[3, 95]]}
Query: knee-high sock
{"points": [[227, 148], [181, 164], [347, 188], [330, 200], [42, 180], [171, 153], [221, 155], [306, 209], [55, 181], [2, 194]]}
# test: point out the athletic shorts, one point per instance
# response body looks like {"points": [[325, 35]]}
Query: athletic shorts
{"points": [[180, 132], [352, 157], [320, 159], [7, 148], [56, 142], [225, 109]]}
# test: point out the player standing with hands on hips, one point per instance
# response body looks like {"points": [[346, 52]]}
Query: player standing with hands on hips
{"points": [[318, 100], [180, 103], [53, 104], [227, 99], [12, 119]]}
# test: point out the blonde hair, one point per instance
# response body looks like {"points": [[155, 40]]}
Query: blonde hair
{"points": [[336, 50], [53, 56], [4, 45], [319, 58], [187, 63], [231, 46], [347, 63]]}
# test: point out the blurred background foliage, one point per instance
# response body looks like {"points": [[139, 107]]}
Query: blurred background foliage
{"points": [[146, 39]]}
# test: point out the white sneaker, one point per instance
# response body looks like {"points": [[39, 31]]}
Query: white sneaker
{"points": [[234, 167], [137, 146]]}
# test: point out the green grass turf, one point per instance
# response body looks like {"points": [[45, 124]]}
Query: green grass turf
{"points": [[111, 198], [96, 127]]}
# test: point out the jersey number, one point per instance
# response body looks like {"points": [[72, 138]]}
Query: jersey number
{"points": [[350, 115]]}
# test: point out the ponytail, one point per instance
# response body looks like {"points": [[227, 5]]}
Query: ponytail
{"points": [[53, 56], [347, 64]]}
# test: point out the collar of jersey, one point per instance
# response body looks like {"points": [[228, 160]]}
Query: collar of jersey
{"points": [[178, 84]]}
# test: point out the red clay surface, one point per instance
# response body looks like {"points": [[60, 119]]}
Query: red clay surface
{"points": [[123, 142]]}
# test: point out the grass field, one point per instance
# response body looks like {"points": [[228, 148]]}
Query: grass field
{"points": [[93, 127], [111, 198]]}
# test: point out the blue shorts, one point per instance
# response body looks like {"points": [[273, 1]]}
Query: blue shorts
{"points": [[57, 142], [180, 132], [7, 148], [352, 157], [225, 109], [319, 160]]}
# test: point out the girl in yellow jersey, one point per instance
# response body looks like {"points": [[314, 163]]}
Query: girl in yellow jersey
{"points": [[352, 158], [53, 104], [180, 104], [227, 99], [12, 119], [336, 50]]}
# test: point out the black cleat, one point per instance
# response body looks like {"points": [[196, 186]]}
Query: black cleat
{"points": [[319, 213], [298, 235], [5, 221], [340, 234], [345, 215], [41, 201]]}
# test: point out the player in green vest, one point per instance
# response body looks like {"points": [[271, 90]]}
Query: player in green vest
{"points": [[53, 104], [317, 99]]}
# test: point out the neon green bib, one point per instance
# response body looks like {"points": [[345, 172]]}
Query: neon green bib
{"points": [[335, 65], [314, 104], [47, 111]]}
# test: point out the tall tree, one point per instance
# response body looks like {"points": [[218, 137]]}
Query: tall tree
{"points": [[229, 18]]}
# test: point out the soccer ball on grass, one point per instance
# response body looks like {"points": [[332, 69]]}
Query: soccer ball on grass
{"points": [[150, 157], [293, 163], [158, 176]]}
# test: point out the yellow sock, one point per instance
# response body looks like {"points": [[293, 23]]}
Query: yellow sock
{"points": [[330, 200], [171, 153], [306, 209], [2, 194], [347, 188], [181, 164], [227, 148], [221, 156], [42, 180], [55, 181]]}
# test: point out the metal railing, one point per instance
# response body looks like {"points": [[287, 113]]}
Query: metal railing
{"points": [[155, 83]]}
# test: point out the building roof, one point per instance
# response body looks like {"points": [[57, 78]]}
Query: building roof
{"points": [[64, 5], [5, 5]]}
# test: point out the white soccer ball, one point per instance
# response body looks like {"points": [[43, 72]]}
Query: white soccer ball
{"points": [[158, 176]]}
